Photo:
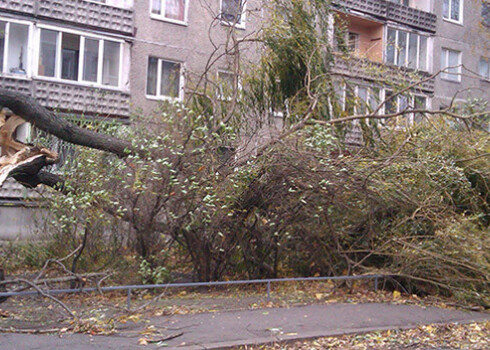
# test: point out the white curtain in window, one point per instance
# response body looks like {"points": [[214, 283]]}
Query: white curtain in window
{"points": [[175, 9]]}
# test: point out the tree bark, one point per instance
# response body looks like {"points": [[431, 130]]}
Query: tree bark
{"points": [[31, 111]]}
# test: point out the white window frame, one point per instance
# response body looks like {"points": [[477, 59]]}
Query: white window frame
{"points": [[159, 96], [410, 104], [29, 58], [461, 10], [238, 84], [488, 71], [446, 75], [240, 25], [161, 16], [407, 47], [83, 36]]}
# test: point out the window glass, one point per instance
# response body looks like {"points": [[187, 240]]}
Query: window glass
{"points": [[450, 64], [91, 60], [362, 96], [170, 79], [175, 9], [455, 10], [350, 100], [226, 84], [390, 103], [70, 53], [445, 8], [3, 26], [423, 53], [110, 70], [483, 68], [231, 11], [47, 53], [402, 48], [17, 48], [151, 82], [353, 42], [390, 46], [412, 50], [373, 99], [156, 7], [420, 102]]}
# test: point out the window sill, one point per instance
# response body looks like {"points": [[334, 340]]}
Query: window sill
{"points": [[163, 98], [451, 80], [459, 23], [15, 76], [240, 26], [169, 20]]}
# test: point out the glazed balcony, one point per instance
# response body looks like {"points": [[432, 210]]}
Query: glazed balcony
{"points": [[388, 10], [78, 12], [72, 98]]}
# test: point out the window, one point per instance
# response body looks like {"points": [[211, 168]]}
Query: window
{"points": [[353, 42], [78, 58], [402, 103], [483, 67], [164, 78], [452, 10], [406, 49], [14, 38], [227, 85], [419, 102], [451, 65], [485, 13], [232, 12], [173, 10]]}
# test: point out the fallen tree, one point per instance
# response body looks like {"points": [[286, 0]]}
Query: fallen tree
{"points": [[24, 162]]}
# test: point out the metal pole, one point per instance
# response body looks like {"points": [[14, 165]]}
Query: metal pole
{"points": [[268, 290], [128, 301]]}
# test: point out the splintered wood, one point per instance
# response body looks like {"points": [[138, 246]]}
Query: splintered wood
{"points": [[16, 155]]}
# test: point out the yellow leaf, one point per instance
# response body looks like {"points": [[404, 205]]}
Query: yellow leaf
{"points": [[319, 296], [396, 294], [142, 341]]}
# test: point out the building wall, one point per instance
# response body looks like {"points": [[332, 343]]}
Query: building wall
{"points": [[191, 44], [473, 40]]}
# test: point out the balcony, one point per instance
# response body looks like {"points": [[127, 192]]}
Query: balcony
{"points": [[71, 98], [78, 12], [388, 10], [381, 74]]}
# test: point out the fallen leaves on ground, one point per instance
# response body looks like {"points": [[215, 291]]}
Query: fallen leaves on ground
{"points": [[452, 336]]}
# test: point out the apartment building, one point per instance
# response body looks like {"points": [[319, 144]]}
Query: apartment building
{"points": [[109, 59], [415, 36]]}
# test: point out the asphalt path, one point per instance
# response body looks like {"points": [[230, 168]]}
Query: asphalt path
{"points": [[226, 329]]}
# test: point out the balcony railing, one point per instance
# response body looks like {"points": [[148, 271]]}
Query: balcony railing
{"points": [[78, 12], [72, 98], [392, 11], [382, 74]]}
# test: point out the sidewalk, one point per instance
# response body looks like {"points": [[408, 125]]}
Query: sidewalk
{"points": [[225, 329]]}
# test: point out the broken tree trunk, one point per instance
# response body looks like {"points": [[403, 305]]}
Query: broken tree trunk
{"points": [[31, 111], [25, 162]]}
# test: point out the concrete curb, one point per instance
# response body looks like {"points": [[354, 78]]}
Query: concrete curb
{"points": [[314, 335]]}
